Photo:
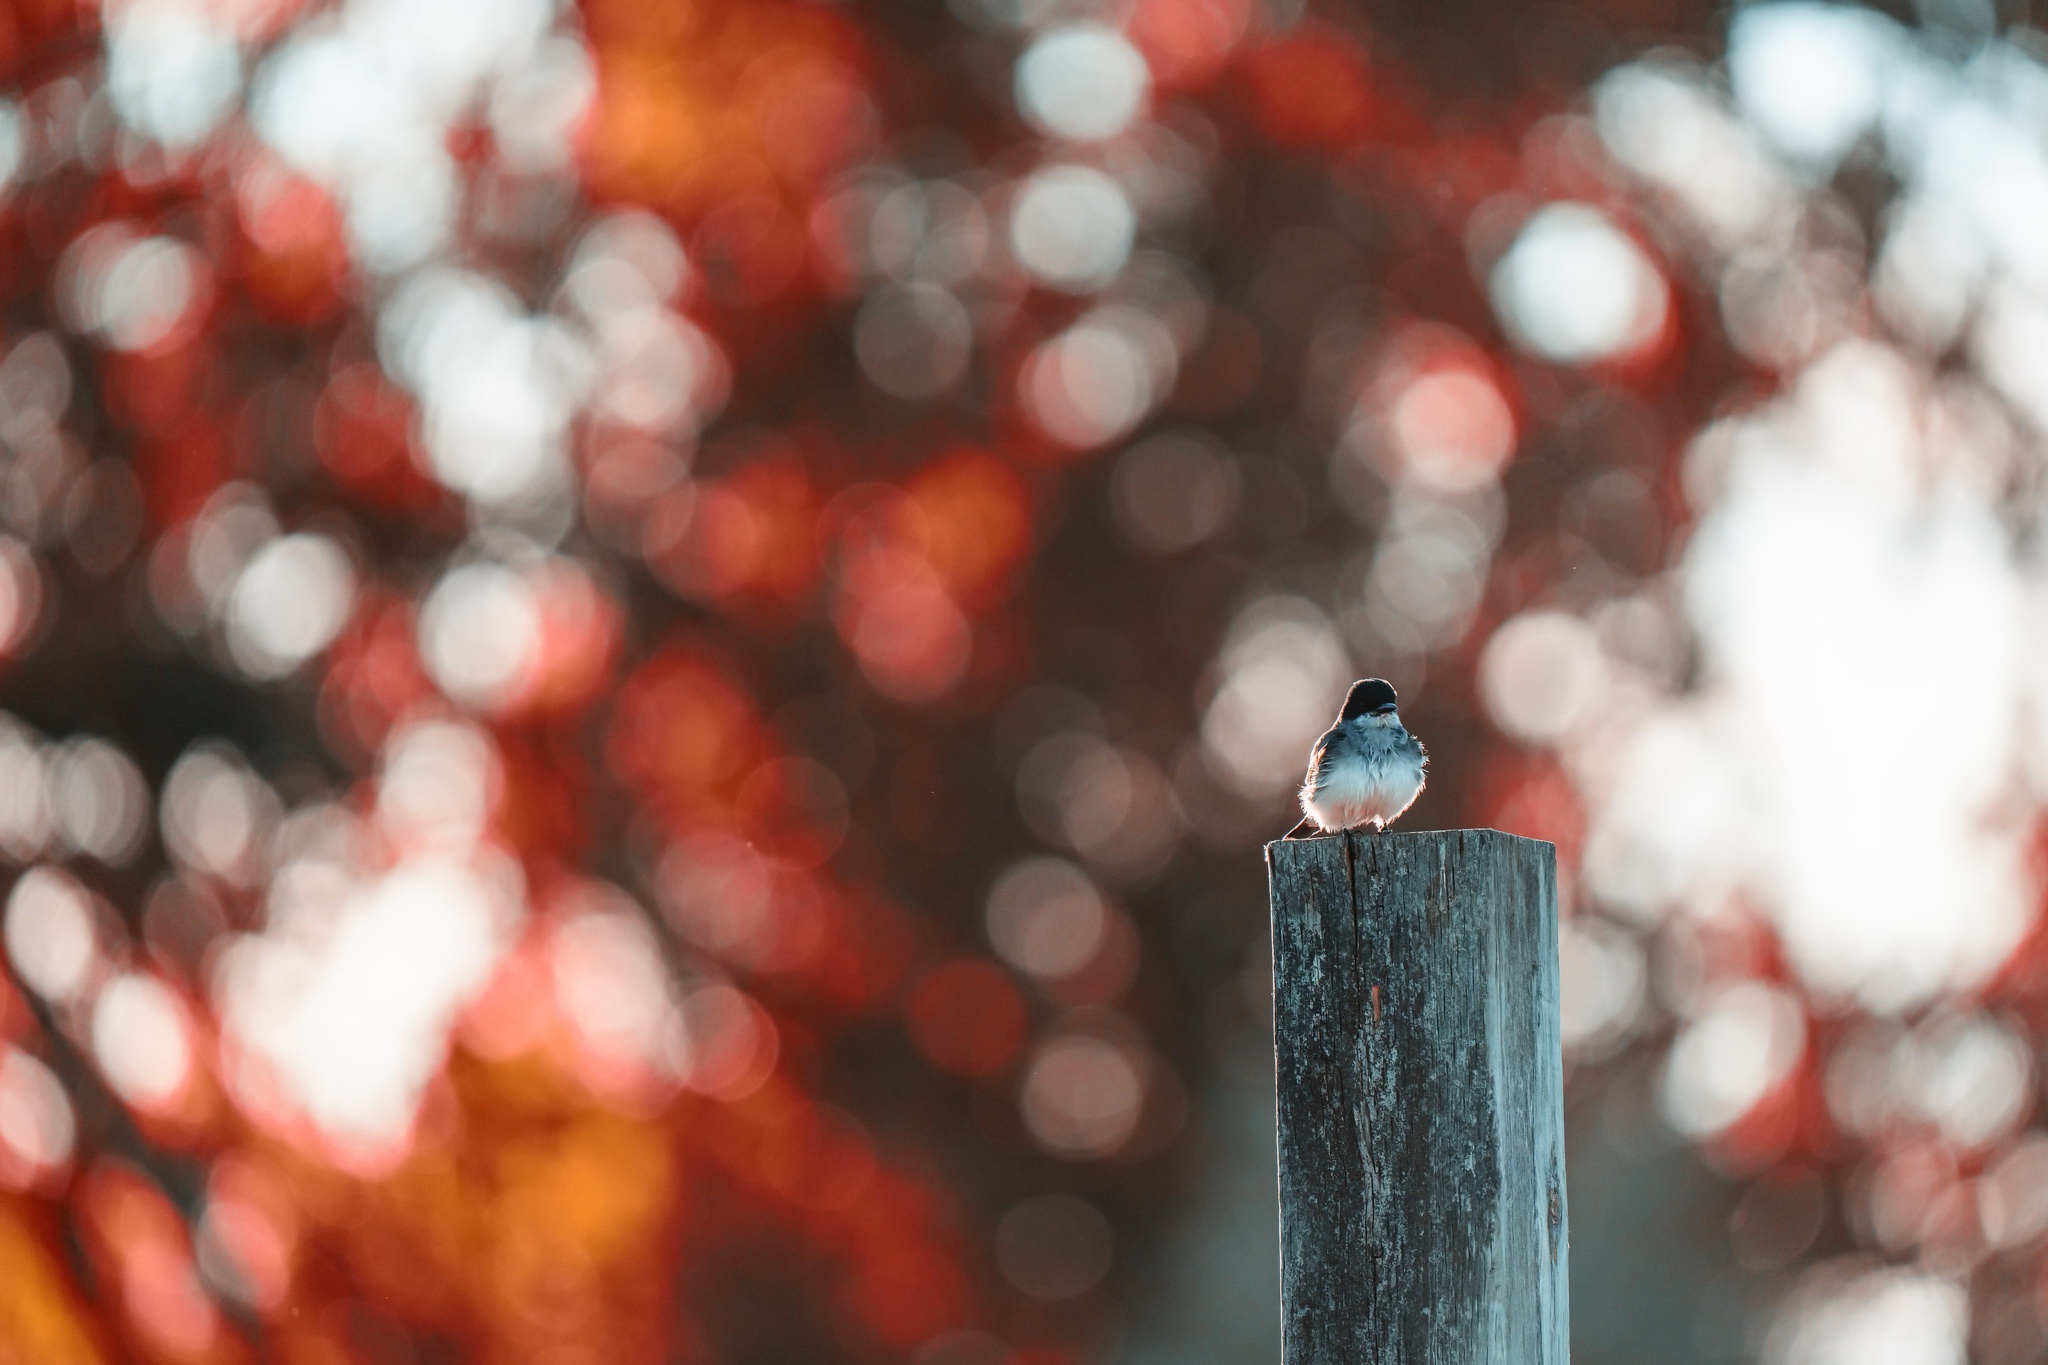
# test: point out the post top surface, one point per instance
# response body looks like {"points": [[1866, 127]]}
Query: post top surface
{"points": [[1412, 836]]}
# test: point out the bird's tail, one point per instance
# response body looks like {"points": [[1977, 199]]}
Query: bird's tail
{"points": [[1304, 830]]}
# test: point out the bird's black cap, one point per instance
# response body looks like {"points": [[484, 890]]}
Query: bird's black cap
{"points": [[1369, 697]]}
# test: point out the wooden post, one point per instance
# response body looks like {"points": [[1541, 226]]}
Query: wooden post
{"points": [[1422, 1206]]}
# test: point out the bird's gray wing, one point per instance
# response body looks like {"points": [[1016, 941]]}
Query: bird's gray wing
{"points": [[1332, 748]]}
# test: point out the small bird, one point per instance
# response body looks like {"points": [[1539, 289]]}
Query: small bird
{"points": [[1366, 770]]}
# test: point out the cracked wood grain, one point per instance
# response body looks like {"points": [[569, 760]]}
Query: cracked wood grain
{"points": [[1421, 1104]]}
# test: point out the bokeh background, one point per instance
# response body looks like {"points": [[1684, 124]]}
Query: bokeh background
{"points": [[648, 645]]}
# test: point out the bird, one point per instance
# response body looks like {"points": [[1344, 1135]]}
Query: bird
{"points": [[1366, 770]]}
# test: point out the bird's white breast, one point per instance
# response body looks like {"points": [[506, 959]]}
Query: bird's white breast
{"points": [[1370, 783]]}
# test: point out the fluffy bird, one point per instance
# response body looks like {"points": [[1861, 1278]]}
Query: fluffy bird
{"points": [[1366, 770]]}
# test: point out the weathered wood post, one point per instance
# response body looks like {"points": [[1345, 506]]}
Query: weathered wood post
{"points": [[1422, 1206]]}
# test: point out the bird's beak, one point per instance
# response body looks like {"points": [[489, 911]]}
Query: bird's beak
{"points": [[1386, 710]]}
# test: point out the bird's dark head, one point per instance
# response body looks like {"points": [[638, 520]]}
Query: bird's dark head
{"points": [[1369, 697]]}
